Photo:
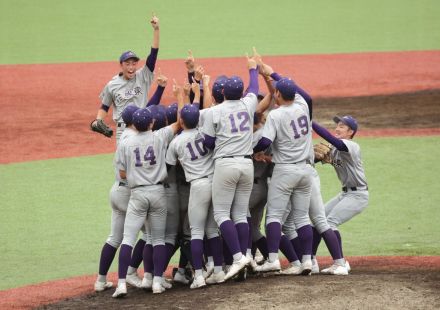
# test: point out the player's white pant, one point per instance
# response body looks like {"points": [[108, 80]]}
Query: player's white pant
{"points": [[257, 202], [317, 210], [231, 189], [200, 211], [289, 182], [173, 213], [289, 228], [146, 202], [119, 197], [345, 206]]}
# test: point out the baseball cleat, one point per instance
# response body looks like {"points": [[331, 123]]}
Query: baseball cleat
{"points": [[269, 266], [121, 291], [166, 284], [306, 267], [147, 283], [180, 278], [236, 267], [292, 270], [216, 278], [102, 286], [198, 282], [335, 269], [209, 270], [157, 287], [347, 265], [315, 266], [133, 280], [258, 257]]}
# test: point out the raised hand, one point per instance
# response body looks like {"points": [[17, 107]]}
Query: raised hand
{"points": [[154, 22], [251, 63], [186, 88], [206, 79], [195, 87], [162, 80], [189, 62], [176, 88], [257, 57], [198, 74]]}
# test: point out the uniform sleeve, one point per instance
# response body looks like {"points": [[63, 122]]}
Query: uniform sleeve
{"points": [[353, 147], [208, 124], [171, 156], [145, 75], [270, 127], [251, 101], [106, 97], [166, 134]]}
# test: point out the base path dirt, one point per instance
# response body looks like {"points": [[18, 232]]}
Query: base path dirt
{"points": [[46, 109], [389, 282]]}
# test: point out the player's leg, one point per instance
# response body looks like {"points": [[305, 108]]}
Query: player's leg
{"points": [[215, 245], [173, 221], [258, 239]]}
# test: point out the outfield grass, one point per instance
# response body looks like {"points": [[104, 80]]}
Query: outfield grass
{"points": [[54, 31], [55, 213]]}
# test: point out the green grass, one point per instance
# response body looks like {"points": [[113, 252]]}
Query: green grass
{"points": [[56, 217], [58, 31]]}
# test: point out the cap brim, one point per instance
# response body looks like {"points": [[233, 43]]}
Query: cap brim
{"points": [[337, 119], [135, 58]]}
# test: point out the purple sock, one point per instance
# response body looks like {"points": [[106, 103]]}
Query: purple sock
{"points": [[249, 245], [197, 253], [297, 246], [159, 259], [273, 235], [170, 250], [338, 235], [136, 256], [287, 249], [262, 246], [230, 236], [243, 236], [305, 235], [124, 260], [332, 243], [227, 254], [316, 241], [107, 255], [148, 258], [215, 245]]}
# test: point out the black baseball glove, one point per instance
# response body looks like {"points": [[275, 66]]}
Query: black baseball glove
{"points": [[98, 125]]}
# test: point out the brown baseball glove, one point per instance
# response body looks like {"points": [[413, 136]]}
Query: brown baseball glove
{"points": [[323, 152], [98, 125]]}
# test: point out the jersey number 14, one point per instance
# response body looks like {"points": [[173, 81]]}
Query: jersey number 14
{"points": [[148, 156]]}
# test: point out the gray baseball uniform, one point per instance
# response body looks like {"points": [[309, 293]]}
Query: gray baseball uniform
{"points": [[143, 158], [231, 124], [120, 92], [354, 197]]}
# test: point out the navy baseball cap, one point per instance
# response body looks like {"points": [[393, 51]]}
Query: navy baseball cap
{"points": [[348, 120], [233, 88], [172, 113], [127, 114], [190, 115], [128, 55], [159, 116], [217, 88], [142, 119], [287, 88]]}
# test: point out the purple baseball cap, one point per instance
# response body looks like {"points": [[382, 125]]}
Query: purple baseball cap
{"points": [[348, 120], [159, 116], [233, 88], [287, 88], [172, 113], [142, 119], [217, 88], [190, 115], [128, 55], [127, 114]]}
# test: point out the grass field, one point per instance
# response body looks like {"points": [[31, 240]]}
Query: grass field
{"points": [[53, 226], [48, 31]]}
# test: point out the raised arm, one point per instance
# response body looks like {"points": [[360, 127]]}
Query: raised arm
{"points": [[253, 75], [326, 135], [178, 91], [207, 95], [151, 59], [195, 88], [161, 84]]}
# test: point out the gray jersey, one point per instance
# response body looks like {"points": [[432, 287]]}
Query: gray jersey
{"points": [[120, 92], [348, 165], [260, 168], [195, 159], [142, 156], [290, 130], [203, 116], [128, 132], [231, 124]]}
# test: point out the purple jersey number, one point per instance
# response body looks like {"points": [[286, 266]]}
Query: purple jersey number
{"points": [[199, 147], [149, 156], [303, 124], [244, 125]]}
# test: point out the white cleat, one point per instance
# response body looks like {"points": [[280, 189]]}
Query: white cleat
{"points": [[209, 270], [133, 280], [157, 287], [198, 282], [216, 278], [180, 278], [292, 270], [315, 266], [258, 257], [121, 291], [146, 283], [102, 286], [269, 266], [166, 284], [236, 267], [347, 265], [306, 267], [336, 270]]}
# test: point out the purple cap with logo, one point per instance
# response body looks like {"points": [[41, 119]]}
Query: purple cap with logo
{"points": [[287, 88], [172, 113], [348, 120], [128, 55], [142, 119], [159, 115], [217, 88], [190, 115]]}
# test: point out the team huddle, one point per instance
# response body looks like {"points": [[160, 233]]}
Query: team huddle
{"points": [[203, 174]]}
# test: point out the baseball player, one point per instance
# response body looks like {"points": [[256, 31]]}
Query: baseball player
{"points": [[130, 86], [142, 163], [288, 130], [346, 159]]}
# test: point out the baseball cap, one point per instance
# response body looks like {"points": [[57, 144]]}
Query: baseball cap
{"points": [[348, 120], [233, 88], [217, 88], [142, 119], [190, 115], [127, 55], [287, 88], [159, 115], [127, 114], [172, 113]]}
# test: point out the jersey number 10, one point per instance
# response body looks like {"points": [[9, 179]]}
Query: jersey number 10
{"points": [[199, 147], [303, 124]]}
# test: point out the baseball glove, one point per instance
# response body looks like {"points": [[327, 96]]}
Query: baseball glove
{"points": [[99, 126], [323, 152]]}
